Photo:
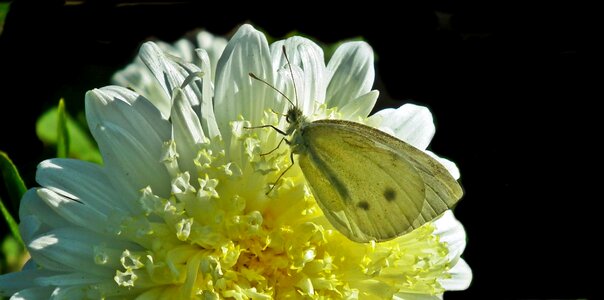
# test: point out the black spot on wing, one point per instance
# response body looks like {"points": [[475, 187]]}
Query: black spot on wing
{"points": [[364, 205], [389, 194]]}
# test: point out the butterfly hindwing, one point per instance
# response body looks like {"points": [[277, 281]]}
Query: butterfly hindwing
{"points": [[370, 185]]}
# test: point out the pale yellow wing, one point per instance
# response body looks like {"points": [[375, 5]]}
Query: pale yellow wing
{"points": [[370, 185]]}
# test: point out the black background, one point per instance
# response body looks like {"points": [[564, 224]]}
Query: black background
{"points": [[501, 80]]}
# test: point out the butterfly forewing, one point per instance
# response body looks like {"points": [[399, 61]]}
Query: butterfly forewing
{"points": [[370, 185]]}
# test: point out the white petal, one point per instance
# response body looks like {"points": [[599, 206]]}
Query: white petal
{"points": [[36, 217], [207, 117], [170, 72], [137, 77], [187, 132], [184, 49], [410, 123], [11, 283], [360, 107], [130, 163], [82, 181], [73, 250], [67, 279], [351, 73], [130, 132], [450, 231], [449, 165], [129, 110], [33, 293], [461, 277], [76, 213], [410, 296], [214, 46], [237, 94], [308, 56]]}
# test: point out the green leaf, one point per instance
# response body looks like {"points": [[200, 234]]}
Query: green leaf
{"points": [[15, 186], [62, 132], [81, 146], [13, 255], [4, 7], [12, 224]]}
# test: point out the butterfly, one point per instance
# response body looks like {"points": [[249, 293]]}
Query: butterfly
{"points": [[370, 185]]}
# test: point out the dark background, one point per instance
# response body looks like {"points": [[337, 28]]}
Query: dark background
{"points": [[501, 80]]}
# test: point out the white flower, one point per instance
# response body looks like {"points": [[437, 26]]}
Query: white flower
{"points": [[179, 210]]}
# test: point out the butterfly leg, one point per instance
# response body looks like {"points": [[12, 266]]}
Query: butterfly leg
{"points": [[291, 157], [283, 139], [266, 126]]}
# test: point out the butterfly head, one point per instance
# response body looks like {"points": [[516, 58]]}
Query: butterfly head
{"points": [[295, 118]]}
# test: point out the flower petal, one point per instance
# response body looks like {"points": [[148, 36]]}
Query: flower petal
{"points": [[132, 165], [137, 77], [410, 123], [76, 213], [73, 250], [130, 132], [214, 46], [67, 279], [13, 282], [450, 231], [187, 132], [33, 293], [461, 277], [351, 73], [36, 218], [410, 296], [82, 181], [308, 56], [237, 94], [171, 72], [207, 117], [361, 106], [129, 110]]}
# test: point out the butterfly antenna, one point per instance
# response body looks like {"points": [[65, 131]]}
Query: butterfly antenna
{"points": [[289, 64], [271, 86]]}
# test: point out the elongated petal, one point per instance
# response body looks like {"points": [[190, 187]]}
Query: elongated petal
{"points": [[461, 277], [236, 94], [214, 46], [351, 73], [73, 250], [13, 282], [132, 165], [67, 279], [171, 72], [137, 77], [410, 123], [450, 231], [187, 132], [309, 57], [82, 181], [410, 296], [77, 213], [207, 116], [130, 132], [361, 106], [128, 110], [36, 218], [33, 293]]}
